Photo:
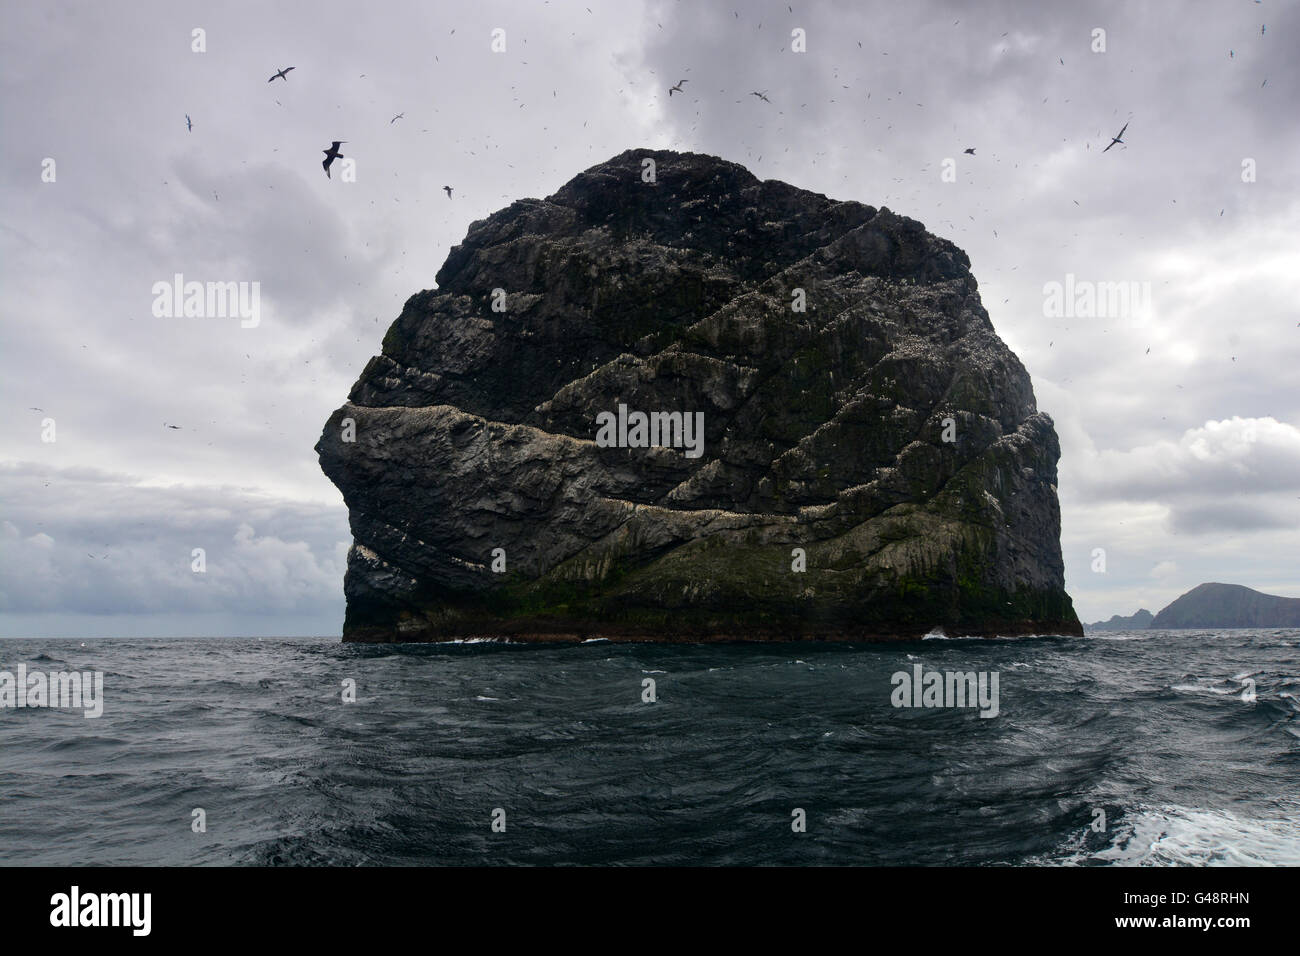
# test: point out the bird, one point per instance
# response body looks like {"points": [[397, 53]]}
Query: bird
{"points": [[1117, 138], [177, 427], [33, 408], [332, 154], [446, 189], [970, 149], [677, 88], [280, 74], [761, 96], [188, 125], [396, 118]]}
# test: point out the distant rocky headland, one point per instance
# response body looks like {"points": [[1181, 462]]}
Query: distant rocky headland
{"points": [[1141, 619], [673, 402], [1214, 605]]}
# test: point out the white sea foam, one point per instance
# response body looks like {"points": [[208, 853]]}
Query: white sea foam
{"points": [[939, 635], [1183, 836], [1205, 689]]}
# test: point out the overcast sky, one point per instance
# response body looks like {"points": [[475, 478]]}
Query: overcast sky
{"points": [[1182, 463]]}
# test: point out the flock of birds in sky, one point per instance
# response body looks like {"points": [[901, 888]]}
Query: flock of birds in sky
{"points": [[334, 151], [970, 150]]}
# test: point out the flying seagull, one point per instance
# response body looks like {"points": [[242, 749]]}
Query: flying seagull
{"points": [[677, 88], [280, 74], [970, 149], [177, 427], [396, 118], [188, 125], [448, 191], [332, 154], [761, 96], [1117, 138]]}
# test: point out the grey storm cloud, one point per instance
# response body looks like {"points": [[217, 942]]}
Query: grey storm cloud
{"points": [[1152, 414], [1230, 517], [91, 542]]}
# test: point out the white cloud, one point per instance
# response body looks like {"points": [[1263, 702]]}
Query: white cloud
{"points": [[1164, 569], [1231, 459]]}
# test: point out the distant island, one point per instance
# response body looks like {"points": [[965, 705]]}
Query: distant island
{"points": [[1213, 605], [1141, 619]]}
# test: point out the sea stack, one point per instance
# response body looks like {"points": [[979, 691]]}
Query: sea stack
{"points": [[673, 402]]}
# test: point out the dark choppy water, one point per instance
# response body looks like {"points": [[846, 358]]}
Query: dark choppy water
{"points": [[1151, 727]]}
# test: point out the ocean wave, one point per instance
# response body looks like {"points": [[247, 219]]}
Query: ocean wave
{"points": [[1185, 836], [1238, 686], [939, 635], [1204, 689]]}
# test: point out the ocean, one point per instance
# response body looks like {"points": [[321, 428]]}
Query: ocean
{"points": [[1124, 748]]}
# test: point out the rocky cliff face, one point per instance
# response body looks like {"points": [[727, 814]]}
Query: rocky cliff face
{"points": [[871, 463]]}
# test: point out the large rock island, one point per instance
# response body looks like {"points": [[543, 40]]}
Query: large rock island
{"points": [[672, 402]]}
